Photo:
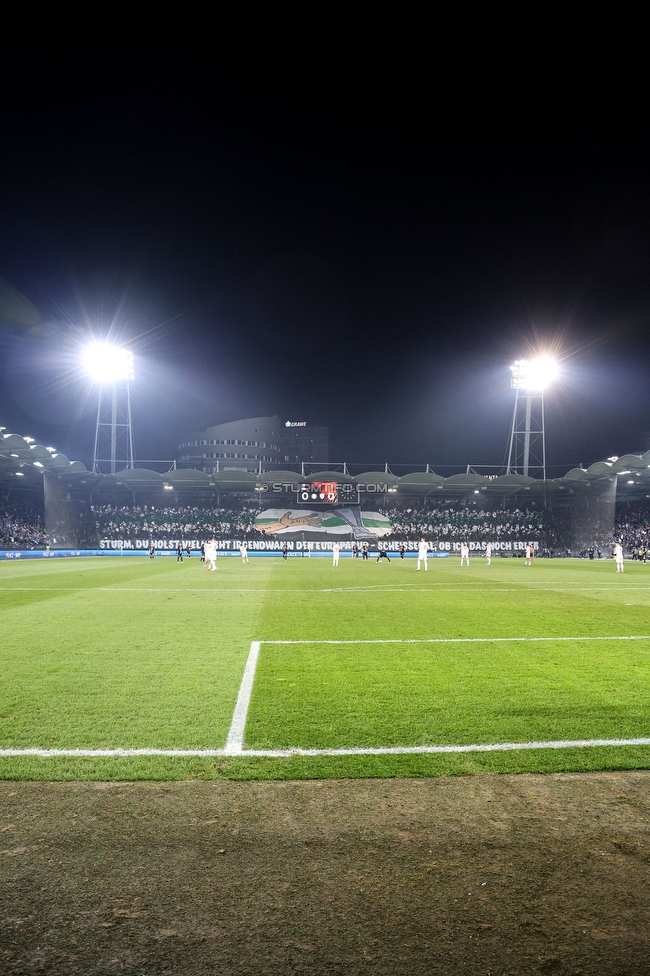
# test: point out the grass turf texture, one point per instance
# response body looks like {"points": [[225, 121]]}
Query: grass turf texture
{"points": [[125, 652]]}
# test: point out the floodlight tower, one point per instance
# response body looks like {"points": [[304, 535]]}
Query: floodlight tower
{"points": [[527, 445], [112, 368]]}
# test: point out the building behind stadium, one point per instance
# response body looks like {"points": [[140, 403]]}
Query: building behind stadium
{"points": [[256, 445]]}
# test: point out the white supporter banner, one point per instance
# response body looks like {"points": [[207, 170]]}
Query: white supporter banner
{"points": [[276, 545]]}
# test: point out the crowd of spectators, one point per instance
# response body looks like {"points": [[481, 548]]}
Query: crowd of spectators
{"points": [[469, 524], [597, 533], [116, 522], [633, 526], [560, 527], [21, 525], [191, 522]]}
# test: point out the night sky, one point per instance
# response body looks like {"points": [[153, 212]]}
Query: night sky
{"points": [[340, 240]]}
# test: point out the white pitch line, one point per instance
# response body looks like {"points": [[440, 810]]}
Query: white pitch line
{"points": [[212, 590], [489, 588], [235, 740], [459, 640], [373, 586], [298, 752], [147, 589]]}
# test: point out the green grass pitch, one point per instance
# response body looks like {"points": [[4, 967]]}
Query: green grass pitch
{"points": [[125, 653]]}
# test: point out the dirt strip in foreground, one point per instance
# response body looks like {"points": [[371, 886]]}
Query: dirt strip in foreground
{"points": [[478, 875]]}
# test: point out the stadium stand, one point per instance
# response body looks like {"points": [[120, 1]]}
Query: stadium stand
{"points": [[115, 522], [21, 525], [633, 526], [466, 523], [555, 529]]}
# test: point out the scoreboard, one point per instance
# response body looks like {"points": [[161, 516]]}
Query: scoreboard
{"points": [[319, 492]]}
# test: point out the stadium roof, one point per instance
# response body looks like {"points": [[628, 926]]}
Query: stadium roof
{"points": [[23, 463]]}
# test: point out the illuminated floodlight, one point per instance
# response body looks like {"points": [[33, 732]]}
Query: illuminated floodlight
{"points": [[111, 367], [533, 374], [28, 440], [52, 450], [37, 464], [529, 378], [615, 458], [19, 474], [108, 364]]}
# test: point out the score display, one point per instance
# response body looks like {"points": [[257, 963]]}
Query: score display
{"points": [[321, 492]]}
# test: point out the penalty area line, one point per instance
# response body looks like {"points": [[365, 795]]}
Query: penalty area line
{"points": [[298, 752]]}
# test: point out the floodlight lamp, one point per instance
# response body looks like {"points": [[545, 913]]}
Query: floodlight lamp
{"points": [[52, 450], [108, 364], [533, 374], [615, 458], [28, 440], [19, 474], [37, 464]]}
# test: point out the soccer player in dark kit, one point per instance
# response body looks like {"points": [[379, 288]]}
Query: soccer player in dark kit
{"points": [[285, 550], [179, 553], [383, 555]]}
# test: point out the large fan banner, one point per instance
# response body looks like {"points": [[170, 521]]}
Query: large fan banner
{"points": [[291, 523]]}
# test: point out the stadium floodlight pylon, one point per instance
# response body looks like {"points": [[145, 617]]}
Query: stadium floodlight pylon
{"points": [[112, 368], [527, 444]]}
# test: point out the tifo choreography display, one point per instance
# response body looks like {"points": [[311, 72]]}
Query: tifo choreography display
{"points": [[113, 526]]}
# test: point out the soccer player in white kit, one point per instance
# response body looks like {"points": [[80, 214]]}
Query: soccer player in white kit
{"points": [[618, 556], [210, 556], [464, 553], [244, 552], [423, 552], [488, 553], [335, 554]]}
